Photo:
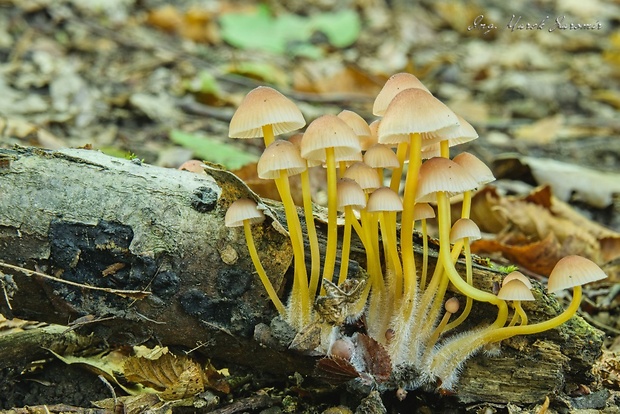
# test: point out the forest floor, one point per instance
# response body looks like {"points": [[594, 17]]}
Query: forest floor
{"points": [[539, 81]]}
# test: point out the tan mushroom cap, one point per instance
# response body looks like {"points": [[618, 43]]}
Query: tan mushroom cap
{"points": [[384, 199], [280, 156], [366, 176], [329, 131], [442, 174], [393, 86], [571, 271], [295, 139], [452, 305], [241, 210], [265, 106], [349, 193], [358, 125], [423, 211], [475, 167], [465, 132], [515, 290], [463, 228], [416, 111], [381, 156], [517, 275]]}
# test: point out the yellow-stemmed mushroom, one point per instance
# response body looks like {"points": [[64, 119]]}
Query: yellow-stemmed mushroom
{"points": [[329, 139], [280, 160], [516, 290], [570, 271], [243, 213], [350, 196], [265, 112]]}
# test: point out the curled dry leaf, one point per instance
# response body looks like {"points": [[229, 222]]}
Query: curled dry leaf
{"points": [[537, 230], [176, 377]]}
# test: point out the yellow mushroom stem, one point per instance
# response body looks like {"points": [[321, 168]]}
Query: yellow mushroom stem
{"points": [[407, 221], [300, 298], [470, 281], [315, 254], [519, 314], [268, 136], [332, 206], [260, 270], [425, 255], [387, 221], [443, 217], [451, 307], [458, 350], [401, 153], [346, 244]]}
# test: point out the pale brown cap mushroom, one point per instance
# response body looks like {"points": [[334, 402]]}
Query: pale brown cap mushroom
{"points": [[329, 131], [463, 228], [442, 174], [359, 126], [280, 156], [452, 305], [517, 275], [515, 290], [455, 136], [384, 199], [573, 271], [241, 210], [423, 211], [265, 106], [475, 167], [393, 86], [415, 111], [364, 175], [349, 193], [381, 156]]}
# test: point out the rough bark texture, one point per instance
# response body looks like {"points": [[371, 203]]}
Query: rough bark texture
{"points": [[85, 217]]}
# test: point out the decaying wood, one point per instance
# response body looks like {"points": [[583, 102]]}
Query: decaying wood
{"points": [[84, 217]]}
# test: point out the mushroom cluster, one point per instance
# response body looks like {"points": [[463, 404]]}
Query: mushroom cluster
{"points": [[384, 177]]}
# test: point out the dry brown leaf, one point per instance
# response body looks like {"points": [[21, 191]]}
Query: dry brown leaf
{"points": [[539, 256], [543, 131], [331, 76], [537, 230]]}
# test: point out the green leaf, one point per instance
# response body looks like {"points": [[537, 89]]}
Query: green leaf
{"points": [[341, 28], [212, 150]]}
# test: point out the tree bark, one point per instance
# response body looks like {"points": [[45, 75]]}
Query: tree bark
{"points": [[121, 225]]}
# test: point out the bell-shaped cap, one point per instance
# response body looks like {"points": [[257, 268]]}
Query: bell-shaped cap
{"points": [[265, 106], [242, 210]]}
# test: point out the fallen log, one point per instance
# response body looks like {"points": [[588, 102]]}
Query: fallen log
{"points": [[166, 270]]}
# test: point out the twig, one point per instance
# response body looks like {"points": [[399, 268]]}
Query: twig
{"points": [[136, 294]]}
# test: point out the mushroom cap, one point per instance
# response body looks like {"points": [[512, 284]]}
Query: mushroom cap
{"points": [[416, 111], [366, 176], [452, 305], [464, 227], [280, 156], [423, 211], [374, 135], [349, 193], [265, 106], [295, 139], [384, 199], [442, 174], [455, 136], [381, 156], [517, 275], [571, 271], [393, 86], [515, 290], [475, 167], [329, 131], [356, 122], [241, 210]]}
